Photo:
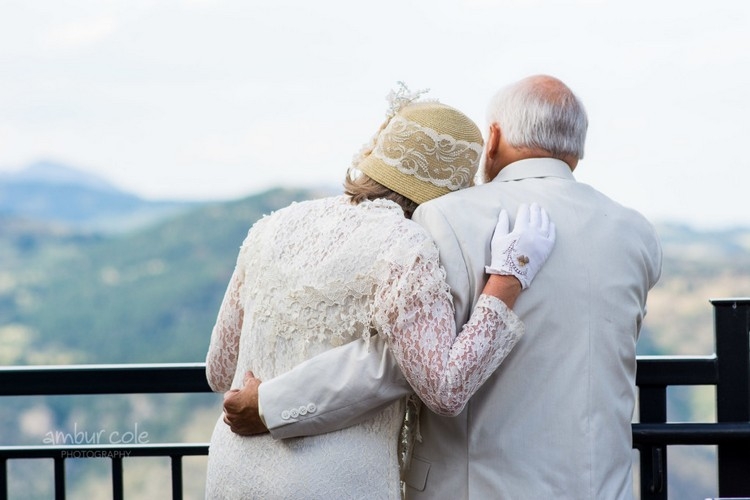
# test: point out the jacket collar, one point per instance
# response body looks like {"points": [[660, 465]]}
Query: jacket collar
{"points": [[535, 167]]}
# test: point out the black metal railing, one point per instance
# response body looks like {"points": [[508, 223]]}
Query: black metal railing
{"points": [[102, 379], [728, 370], [60, 453]]}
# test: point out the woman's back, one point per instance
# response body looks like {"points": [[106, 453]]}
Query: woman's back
{"points": [[310, 273]]}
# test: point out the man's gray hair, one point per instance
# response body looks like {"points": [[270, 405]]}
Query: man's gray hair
{"points": [[541, 113]]}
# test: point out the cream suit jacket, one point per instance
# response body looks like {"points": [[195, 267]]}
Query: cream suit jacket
{"points": [[554, 420]]}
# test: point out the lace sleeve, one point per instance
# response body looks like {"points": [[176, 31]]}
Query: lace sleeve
{"points": [[417, 318], [221, 360]]}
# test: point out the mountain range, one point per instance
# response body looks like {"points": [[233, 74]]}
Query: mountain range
{"points": [[80, 255], [57, 193]]}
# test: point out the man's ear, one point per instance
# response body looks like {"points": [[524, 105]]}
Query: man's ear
{"points": [[493, 141]]}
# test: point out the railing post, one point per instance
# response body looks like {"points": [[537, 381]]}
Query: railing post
{"points": [[117, 480], [59, 466], [3, 478], [176, 477], [652, 404], [732, 327]]}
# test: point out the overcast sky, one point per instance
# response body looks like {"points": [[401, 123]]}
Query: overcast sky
{"points": [[205, 99]]}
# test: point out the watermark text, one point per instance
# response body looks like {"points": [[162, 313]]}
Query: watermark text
{"points": [[100, 436], [95, 454]]}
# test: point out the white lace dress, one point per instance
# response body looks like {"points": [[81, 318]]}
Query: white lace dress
{"points": [[316, 275]]}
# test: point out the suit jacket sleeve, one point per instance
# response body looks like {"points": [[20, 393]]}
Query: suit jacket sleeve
{"points": [[337, 389]]}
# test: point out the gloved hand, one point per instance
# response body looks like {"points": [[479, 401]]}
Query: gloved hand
{"points": [[522, 252]]}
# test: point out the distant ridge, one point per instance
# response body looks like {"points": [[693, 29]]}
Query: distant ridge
{"points": [[57, 193], [52, 172]]}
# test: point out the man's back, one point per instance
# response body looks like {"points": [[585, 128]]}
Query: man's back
{"points": [[554, 420]]}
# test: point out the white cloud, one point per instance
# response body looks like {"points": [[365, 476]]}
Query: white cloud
{"points": [[78, 33], [203, 97]]}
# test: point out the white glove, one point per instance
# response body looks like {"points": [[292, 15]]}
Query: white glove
{"points": [[522, 252]]}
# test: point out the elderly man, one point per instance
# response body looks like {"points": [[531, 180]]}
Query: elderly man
{"points": [[554, 420]]}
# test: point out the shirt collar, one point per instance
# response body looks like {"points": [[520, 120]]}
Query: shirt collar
{"points": [[535, 167]]}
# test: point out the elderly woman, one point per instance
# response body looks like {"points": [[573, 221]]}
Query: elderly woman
{"points": [[322, 273]]}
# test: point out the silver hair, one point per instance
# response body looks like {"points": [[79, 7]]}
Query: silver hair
{"points": [[541, 113]]}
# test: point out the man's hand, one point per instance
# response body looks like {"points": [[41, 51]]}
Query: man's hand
{"points": [[241, 408]]}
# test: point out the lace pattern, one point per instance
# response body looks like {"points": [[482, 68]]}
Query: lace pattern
{"points": [[397, 99], [321, 273], [417, 318], [456, 157]]}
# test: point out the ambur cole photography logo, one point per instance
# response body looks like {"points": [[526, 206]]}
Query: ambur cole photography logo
{"points": [[86, 437]]}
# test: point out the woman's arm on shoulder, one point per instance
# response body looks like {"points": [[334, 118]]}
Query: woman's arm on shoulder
{"points": [[415, 314]]}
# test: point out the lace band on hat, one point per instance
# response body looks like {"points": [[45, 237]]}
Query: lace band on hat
{"points": [[397, 99], [421, 152]]}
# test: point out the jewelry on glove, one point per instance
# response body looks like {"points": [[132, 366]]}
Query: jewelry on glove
{"points": [[522, 252]]}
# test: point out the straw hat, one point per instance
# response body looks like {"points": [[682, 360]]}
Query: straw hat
{"points": [[424, 150]]}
